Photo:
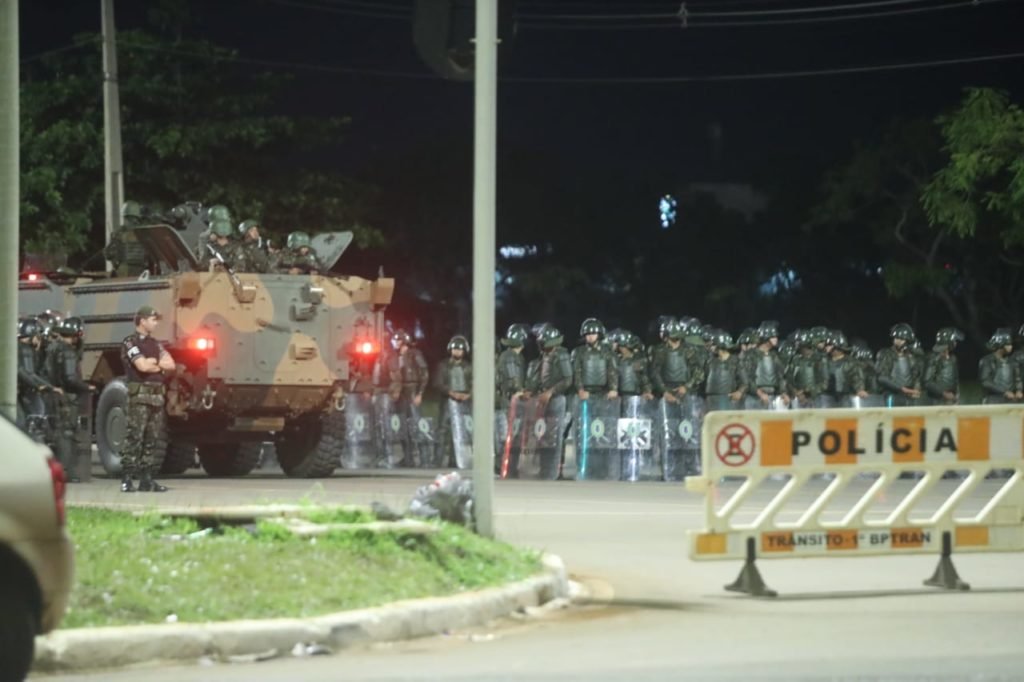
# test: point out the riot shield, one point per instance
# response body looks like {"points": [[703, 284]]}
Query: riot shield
{"points": [[460, 419], [391, 432], [597, 453], [422, 438], [691, 419], [751, 402], [716, 403], [83, 437], [510, 435], [680, 424], [635, 440], [359, 451], [544, 436], [871, 401], [819, 402]]}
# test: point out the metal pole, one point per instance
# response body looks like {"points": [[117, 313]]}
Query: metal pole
{"points": [[10, 197], [485, 79], [113, 167]]}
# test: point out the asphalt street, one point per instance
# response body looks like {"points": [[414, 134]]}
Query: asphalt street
{"points": [[654, 614]]}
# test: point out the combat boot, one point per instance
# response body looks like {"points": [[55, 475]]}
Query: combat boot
{"points": [[126, 484], [148, 485]]}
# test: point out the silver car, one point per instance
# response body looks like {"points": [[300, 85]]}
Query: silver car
{"points": [[36, 556]]}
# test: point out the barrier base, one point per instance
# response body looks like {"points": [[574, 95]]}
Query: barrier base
{"points": [[749, 581], [945, 575]]}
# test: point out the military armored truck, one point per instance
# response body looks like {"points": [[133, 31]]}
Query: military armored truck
{"points": [[260, 357]]}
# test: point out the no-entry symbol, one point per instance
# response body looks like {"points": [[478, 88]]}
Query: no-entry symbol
{"points": [[734, 445]]}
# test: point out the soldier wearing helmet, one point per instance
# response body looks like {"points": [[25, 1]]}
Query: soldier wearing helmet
{"points": [[845, 374], [725, 385], [31, 381], [510, 368], [1000, 377], [763, 370], [633, 368], [593, 365], [942, 373], [553, 371], [213, 213], [806, 373], [861, 352], [224, 252], [899, 371], [407, 369], [253, 246], [124, 251], [454, 381], [65, 372], [671, 375], [298, 257]]}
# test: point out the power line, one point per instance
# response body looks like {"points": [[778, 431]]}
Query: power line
{"points": [[342, 9], [662, 80], [736, 13], [58, 50]]}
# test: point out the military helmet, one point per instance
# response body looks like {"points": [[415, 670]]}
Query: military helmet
{"points": [[246, 224], [747, 336], [296, 240], [632, 342], [837, 339], [1001, 337], [28, 327], [675, 330], [616, 336], [516, 335], [400, 336], [691, 325], [903, 331], [71, 326], [948, 336], [131, 209], [592, 325], [723, 340], [221, 228], [663, 324], [817, 334], [48, 321], [549, 337], [767, 330], [458, 342], [218, 212]]}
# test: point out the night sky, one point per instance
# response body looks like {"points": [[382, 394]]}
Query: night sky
{"points": [[610, 148]]}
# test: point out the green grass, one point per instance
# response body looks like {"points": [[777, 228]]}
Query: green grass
{"points": [[133, 570]]}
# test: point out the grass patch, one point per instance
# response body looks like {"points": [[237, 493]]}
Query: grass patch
{"points": [[131, 570]]}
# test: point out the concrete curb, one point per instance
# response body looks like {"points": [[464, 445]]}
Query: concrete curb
{"points": [[111, 647]]}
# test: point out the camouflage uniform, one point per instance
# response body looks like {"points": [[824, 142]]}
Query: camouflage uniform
{"points": [[408, 374], [66, 373], [806, 373], [299, 255], [145, 420], [124, 251], [31, 381], [453, 380], [670, 370], [510, 367], [634, 372], [724, 384], [763, 372], [593, 365], [253, 247], [899, 370], [845, 373], [225, 246], [942, 373], [999, 375]]}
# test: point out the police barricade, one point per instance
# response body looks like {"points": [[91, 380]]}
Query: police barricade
{"points": [[459, 416], [391, 430], [423, 442], [635, 440], [828, 483], [680, 424], [595, 423], [360, 451], [543, 433]]}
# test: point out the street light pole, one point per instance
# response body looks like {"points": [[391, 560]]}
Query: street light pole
{"points": [[10, 198], [113, 166], [485, 104]]}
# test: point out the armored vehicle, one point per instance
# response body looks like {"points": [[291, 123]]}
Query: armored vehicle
{"points": [[261, 357]]}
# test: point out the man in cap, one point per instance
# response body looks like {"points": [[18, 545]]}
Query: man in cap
{"points": [[145, 362]]}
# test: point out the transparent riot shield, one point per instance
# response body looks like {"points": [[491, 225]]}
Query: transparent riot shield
{"points": [[691, 419], [668, 436], [510, 435], [635, 440], [423, 440], [859, 403], [597, 452], [391, 429], [680, 424], [544, 437], [717, 403], [460, 420], [752, 402], [360, 451]]}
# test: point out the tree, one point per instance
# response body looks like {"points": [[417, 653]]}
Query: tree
{"points": [[195, 126]]}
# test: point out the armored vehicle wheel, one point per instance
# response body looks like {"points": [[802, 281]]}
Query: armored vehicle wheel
{"points": [[111, 418], [229, 459], [313, 449], [180, 458]]}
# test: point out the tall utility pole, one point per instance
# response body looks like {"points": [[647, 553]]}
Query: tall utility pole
{"points": [[485, 100], [10, 196], [113, 167]]}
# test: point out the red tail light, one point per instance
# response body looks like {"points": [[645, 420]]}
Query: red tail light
{"points": [[366, 348], [32, 277], [206, 345], [59, 487]]}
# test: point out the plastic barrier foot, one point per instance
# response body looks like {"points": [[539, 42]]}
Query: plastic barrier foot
{"points": [[945, 575], [749, 580]]}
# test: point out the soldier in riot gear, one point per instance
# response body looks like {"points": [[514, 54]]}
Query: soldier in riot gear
{"points": [[554, 368], [66, 373], [806, 373], [31, 381], [724, 386], [999, 376], [510, 368], [407, 369], [671, 375], [223, 245], [253, 246], [845, 373], [899, 371], [747, 340], [866, 360], [942, 373], [633, 369], [299, 258], [664, 322], [454, 381], [124, 251], [593, 365], [213, 213], [764, 374]]}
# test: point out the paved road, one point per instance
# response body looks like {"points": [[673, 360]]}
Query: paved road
{"points": [[656, 615]]}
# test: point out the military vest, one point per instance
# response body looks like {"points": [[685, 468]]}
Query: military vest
{"points": [[408, 368], [1002, 375], [630, 381], [674, 370], [26, 358], [902, 370], [555, 366], [803, 374], [838, 381], [766, 371], [594, 367], [943, 374], [510, 370], [723, 375], [458, 377], [870, 376]]}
